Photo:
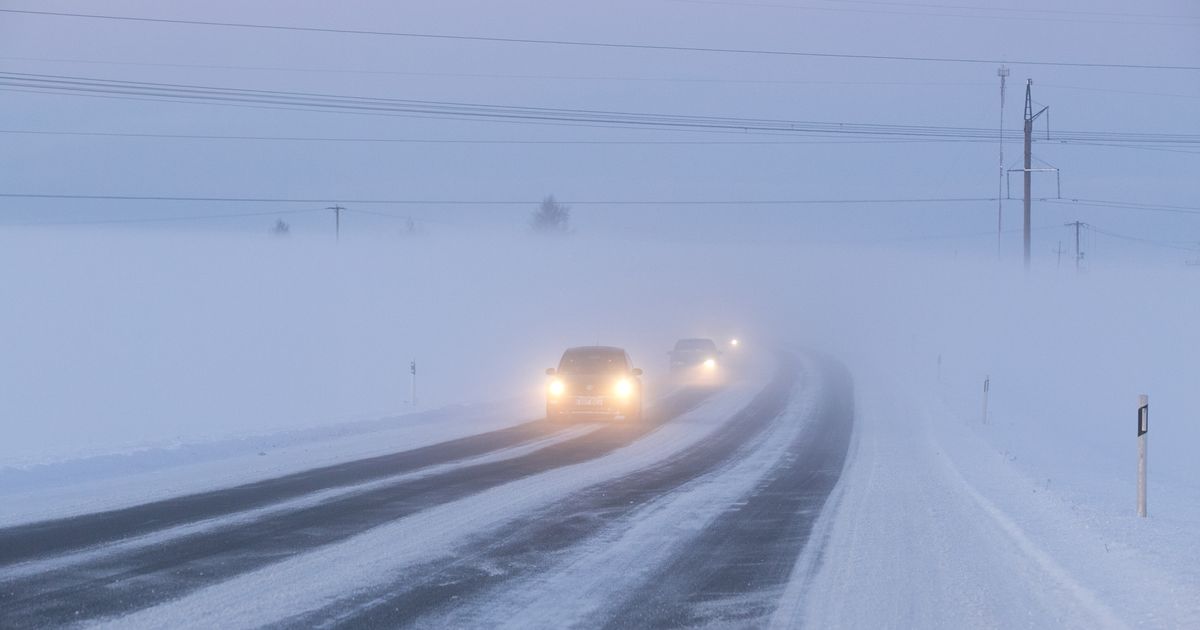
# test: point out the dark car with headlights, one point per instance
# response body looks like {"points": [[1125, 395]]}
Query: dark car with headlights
{"points": [[594, 380], [693, 354]]}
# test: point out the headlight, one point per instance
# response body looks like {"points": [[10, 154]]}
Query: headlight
{"points": [[624, 388], [710, 364], [733, 342], [557, 388]]}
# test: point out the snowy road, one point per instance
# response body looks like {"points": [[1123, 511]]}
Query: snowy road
{"points": [[697, 515]]}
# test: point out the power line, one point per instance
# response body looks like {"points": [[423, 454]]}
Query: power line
{"points": [[494, 202], [924, 12], [815, 139], [1124, 205], [957, 7], [1138, 239], [1100, 203], [195, 217], [489, 75], [569, 77], [598, 44], [525, 114], [1025, 10], [189, 136], [1116, 91], [1119, 146]]}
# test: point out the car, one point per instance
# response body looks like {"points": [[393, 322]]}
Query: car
{"points": [[594, 381], [694, 354]]}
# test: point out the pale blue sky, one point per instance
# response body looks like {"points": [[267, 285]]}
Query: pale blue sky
{"points": [[794, 88]]}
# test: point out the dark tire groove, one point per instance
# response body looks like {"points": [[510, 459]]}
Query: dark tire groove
{"points": [[735, 571], [33, 540]]}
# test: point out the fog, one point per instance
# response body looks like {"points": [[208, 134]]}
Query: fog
{"points": [[127, 339]]}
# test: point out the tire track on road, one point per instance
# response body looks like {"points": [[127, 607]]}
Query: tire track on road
{"points": [[531, 542], [38, 539], [734, 572], [127, 582]]}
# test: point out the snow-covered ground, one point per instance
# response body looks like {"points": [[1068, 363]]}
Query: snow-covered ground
{"points": [[150, 365], [1028, 520]]}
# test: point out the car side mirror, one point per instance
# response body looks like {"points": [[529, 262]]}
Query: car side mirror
{"points": [[550, 371], [637, 371]]}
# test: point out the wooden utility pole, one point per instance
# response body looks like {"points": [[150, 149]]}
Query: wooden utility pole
{"points": [[337, 220], [1078, 253], [1003, 73]]}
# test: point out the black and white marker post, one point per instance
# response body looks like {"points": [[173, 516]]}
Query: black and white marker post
{"points": [[1143, 427]]}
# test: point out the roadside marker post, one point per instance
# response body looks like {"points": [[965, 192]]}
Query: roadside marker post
{"points": [[412, 370], [987, 385], [1142, 429]]}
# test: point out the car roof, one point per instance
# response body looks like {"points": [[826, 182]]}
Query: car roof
{"points": [[695, 341]]}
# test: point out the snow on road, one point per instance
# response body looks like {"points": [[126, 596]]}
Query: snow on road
{"points": [[289, 505], [380, 554], [65, 488], [587, 583]]}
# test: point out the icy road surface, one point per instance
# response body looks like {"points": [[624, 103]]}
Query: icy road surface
{"points": [[698, 515]]}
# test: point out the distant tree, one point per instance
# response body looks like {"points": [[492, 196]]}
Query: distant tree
{"points": [[281, 228], [551, 217]]}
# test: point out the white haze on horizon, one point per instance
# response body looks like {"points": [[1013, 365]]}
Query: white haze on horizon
{"points": [[135, 339]]}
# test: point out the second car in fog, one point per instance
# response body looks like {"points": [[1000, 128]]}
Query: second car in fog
{"points": [[694, 354]]}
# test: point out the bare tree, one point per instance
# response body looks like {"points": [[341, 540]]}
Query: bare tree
{"points": [[281, 228], [551, 217]]}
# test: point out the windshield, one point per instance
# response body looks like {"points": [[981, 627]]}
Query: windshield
{"points": [[592, 362]]}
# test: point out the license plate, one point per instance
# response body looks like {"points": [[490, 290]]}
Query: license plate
{"points": [[589, 401]]}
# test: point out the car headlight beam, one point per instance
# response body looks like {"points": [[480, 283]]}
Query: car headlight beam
{"points": [[556, 387], [624, 388]]}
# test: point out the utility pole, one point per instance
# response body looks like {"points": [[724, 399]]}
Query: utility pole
{"points": [[1078, 254], [337, 219], [1028, 172], [1059, 251], [1003, 73]]}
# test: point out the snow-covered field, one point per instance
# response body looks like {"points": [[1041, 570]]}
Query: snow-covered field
{"points": [[151, 364]]}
